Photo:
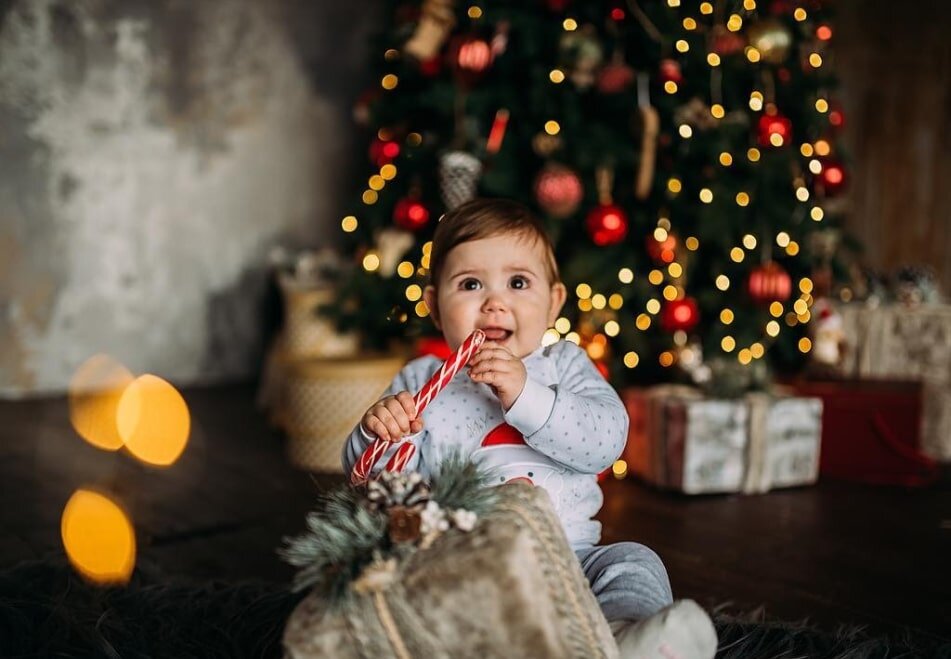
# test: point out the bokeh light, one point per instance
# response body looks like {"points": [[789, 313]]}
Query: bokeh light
{"points": [[94, 393], [98, 538], [153, 421]]}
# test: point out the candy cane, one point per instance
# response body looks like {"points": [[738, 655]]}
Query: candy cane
{"points": [[442, 377]]}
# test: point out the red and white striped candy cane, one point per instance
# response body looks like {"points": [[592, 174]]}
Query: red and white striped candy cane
{"points": [[442, 377]]}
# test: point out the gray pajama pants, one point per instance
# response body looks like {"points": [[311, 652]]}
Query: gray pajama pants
{"points": [[628, 579]]}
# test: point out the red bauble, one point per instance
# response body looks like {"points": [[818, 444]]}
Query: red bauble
{"points": [[670, 71], [662, 251], [615, 78], [470, 57], [433, 345], [558, 190], [774, 124], [607, 224], [769, 282], [833, 177], [383, 152], [836, 118], [680, 315], [410, 214]]}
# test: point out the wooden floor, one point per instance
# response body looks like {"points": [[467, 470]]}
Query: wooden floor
{"points": [[833, 553]]}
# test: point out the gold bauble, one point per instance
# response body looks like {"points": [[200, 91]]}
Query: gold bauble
{"points": [[771, 38]]}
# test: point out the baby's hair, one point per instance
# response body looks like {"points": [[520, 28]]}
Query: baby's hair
{"points": [[485, 218]]}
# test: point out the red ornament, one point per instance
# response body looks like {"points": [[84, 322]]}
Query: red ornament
{"points": [[558, 190], [662, 251], [470, 57], [833, 177], [607, 224], [680, 314], [410, 214], [383, 152], [836, 118], [769, 282], [670, 71], [771, 125], [435, 346], [615, 78], [617, 14]]}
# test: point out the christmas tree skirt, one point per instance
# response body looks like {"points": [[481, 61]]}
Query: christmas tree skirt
{"points": [[45, 610]]}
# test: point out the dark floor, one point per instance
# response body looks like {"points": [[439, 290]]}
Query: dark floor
{"points": [[833, 553]]}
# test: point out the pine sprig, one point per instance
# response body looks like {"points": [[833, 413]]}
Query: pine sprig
{"points": [[463, 484]]}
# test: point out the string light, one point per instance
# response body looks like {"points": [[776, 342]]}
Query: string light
{"points": [[671, 293], [726, 316], [583, 291], [685, 131], [706, 8], [805, 285], [823, 148], [675, 270], [682, 46], [815, 60], [376, 182], [552, 127], [742, 199], [550, 337], [792, 248], [756, 101], [573, 337], [388, 172], [631, 359], [824, 32], [370, 197], [816, 213], [749, 5], [799, 14], [806, 150], [652, 306], [598, 301], [585, 305], [556, 76], [723, 282], [805, 345], [757, 350], [660, 234], [625, 275], [728, 343], [405, 269], [563, 325], [673, 3], [753, 154], [642, 322], [717, 111], [670, 87], [734, 23], [616, 301], [772, 328], [570, 25], [737, 255], [745, 356], [752, 54], [822, 105], [371, 262], [815, 166], [414, 139], [690, 24], [706, 195], [749, 241], [413, 292], [656, 277], [475, 12], [612, 328], [674, 185], [666, 358], [802, 193], [349, 224], [389, 81], [713, 59], [726, 159], [776, 308]]}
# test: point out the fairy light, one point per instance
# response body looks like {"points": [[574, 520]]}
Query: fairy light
{"points": [[802, 193], [775, 139], [475, 12], [673, 3], [391, 54], [670, 87], [643, 321], [389, 81], [817, 213], [660, 234], [753, 154], [726, 316], [822, 105], [413, 292], [737, 255], [742, 199], [706, 195], [734, 23], [598, 301], [675, 270], [815, 60], [805, 285], [388, 172], [573, 337], [616, 301], [625, 275], [805, 345], [414, 139], [815, 166], [656, 277], [792, 248], [806, 150], [805, 317], [772, 328], [585, 305], [692, 243], [556, 76], [563, 325], [671, 293], [371, 262], [570, 25], [666, 358], [706, 8], [723, 282], [776, 308], [631, 359], [749, 241], [552, 127], [823, 148], [713, 59], [752, 54], [726, 159], [349, 224], [652, 306], [612, 328], [744, 356], [583, 291], [550, 337], [824, 32], [756, 101], [728, 343], [662, 223], [717, 111], [685, 131], [376, 182], [689, 24], [749, 5], [757, 350], [674, 185], [682, 46], [800, 307], [799, 14], [370, 197]]}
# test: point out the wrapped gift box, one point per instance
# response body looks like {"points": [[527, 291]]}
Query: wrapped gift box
{"points": [[680, 440], [511, 587]]}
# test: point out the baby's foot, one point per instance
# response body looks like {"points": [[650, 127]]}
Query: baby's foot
{"points": [[681, 631]]}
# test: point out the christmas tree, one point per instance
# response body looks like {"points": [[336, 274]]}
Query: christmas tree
{"points": [[683, 155]]}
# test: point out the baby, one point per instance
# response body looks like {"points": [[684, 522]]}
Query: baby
{"points": [[534, 413]]}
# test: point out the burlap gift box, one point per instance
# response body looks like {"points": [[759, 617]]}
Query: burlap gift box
{"points": [[680, 440], [511, 587]]}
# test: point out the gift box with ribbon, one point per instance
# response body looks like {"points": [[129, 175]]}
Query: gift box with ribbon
{"points": [[681, 440]]}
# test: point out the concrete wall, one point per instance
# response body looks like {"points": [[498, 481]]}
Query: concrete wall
{"points": [[151, 152]]}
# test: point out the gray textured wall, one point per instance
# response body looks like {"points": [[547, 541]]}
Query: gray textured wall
{"points": [[151, 152]]}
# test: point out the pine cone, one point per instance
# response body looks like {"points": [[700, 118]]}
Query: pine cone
{"points": [[404, 525]]}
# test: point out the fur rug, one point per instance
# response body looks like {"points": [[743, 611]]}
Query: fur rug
{"points": [[45, 611]]}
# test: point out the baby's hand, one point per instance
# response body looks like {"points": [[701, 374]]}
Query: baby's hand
{"points": [[497, 367], [392, 418]]}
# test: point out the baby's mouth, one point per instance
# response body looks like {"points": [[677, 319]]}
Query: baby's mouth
{"points": [[496, 333]]}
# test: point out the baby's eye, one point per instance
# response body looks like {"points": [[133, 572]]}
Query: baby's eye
{"points": [[518, 281], [470, 284]]}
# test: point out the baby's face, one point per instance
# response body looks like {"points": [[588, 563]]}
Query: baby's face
{"points": [[499, 285]]}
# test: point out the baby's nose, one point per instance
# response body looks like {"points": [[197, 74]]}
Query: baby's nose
{"points": [[493, 302]]}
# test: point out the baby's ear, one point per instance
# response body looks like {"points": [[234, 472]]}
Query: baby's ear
{"points": [[429, 297], [558, 296]]}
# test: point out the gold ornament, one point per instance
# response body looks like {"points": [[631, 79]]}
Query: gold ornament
{"points": [[771, 38]]}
